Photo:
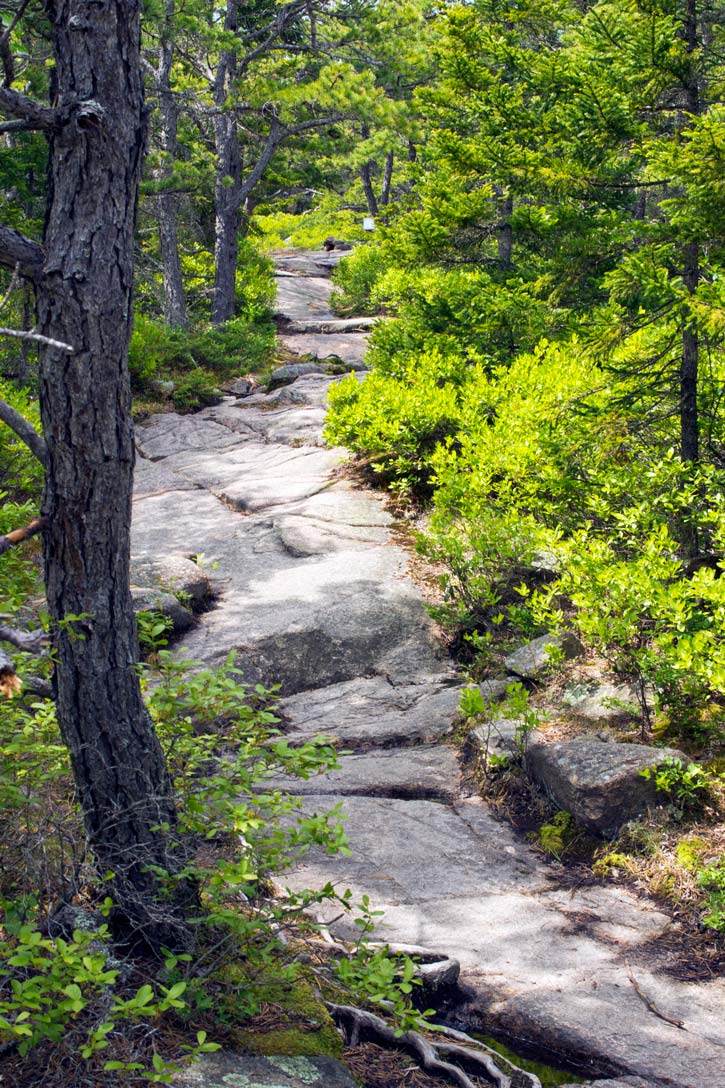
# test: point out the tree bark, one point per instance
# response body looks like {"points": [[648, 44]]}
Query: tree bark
{"points": [[505, 232], [174, 301], [689, 423], [228, 182], [387, 179], [84, 298]]}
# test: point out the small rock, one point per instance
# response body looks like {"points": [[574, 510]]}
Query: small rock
{"points": [[226, 1068], [242, 387], [599, 783], [602, 702], [174, 572], [285, 375], [495, 688], [500, 736], [162, 387], [154, 600], [532, 659]]}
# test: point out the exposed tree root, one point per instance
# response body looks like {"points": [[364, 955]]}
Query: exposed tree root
{"points": [[363, 1026]]}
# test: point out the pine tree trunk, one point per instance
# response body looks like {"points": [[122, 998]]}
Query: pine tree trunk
{"points": [[367, 181], [505, 232], [228, 184], [174, 301], [689, 423], [84, 299], [387, 179]]}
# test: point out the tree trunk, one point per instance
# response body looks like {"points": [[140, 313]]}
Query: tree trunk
{"points": [[367, 181], [366, 175], [689, 423], [84, 298], [228, 182], [505, 232], [387, 179], [174, 301]]}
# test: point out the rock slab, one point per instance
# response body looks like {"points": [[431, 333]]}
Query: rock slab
{"points": [[229, 1070], [599, 782], [313, 591]]}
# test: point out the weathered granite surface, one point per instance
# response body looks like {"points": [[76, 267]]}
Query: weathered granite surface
{"points": [[227, 1069], [599, 782], [313, 591]]}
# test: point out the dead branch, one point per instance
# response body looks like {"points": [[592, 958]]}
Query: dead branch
{"points": [[17, 250], [28, 110], [37, 338], [362, 1025], [32, 642], [25, 432], [650, 1003], [11, 287], [18, 536]]}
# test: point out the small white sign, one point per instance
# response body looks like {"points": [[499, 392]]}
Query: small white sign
{"points": [[368, 223]]}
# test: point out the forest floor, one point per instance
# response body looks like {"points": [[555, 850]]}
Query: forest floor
{"points": [[315, 592]]}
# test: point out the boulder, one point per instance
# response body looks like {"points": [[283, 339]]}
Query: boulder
{"points": [[534, 658], [242, 387], [495, 688], [497, 737], [226, 1069], [164, 388], [598, 782], [174, 572], [601, 702], [285, 375], [156, 600]]}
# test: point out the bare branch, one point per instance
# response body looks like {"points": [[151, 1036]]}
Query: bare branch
{"points": [[7, 33], [24, 430], [32, 642], [27, 109], [11, 287], [11, 540], [15, 126], [21, 252], [37, 338]]}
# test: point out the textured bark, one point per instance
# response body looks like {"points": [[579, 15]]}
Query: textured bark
{"points": [[387, 179], [174, 301], [505, 232], [689, 423], [228, 183], [84, 298], [367, 182]]}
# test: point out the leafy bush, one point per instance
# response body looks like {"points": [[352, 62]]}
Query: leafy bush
{"points": [[21, 475], [196, 390], [308, 230], [712, 880], [688, 785]]}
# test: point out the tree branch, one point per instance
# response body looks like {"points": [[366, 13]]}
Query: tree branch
{"points": [[11, 540], [32, 642], [21, 252], [37, 338], [27, 109], [24, 430]]}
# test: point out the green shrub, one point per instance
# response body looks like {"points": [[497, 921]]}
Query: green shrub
{"points": [[196, 390], [21, 474]]}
